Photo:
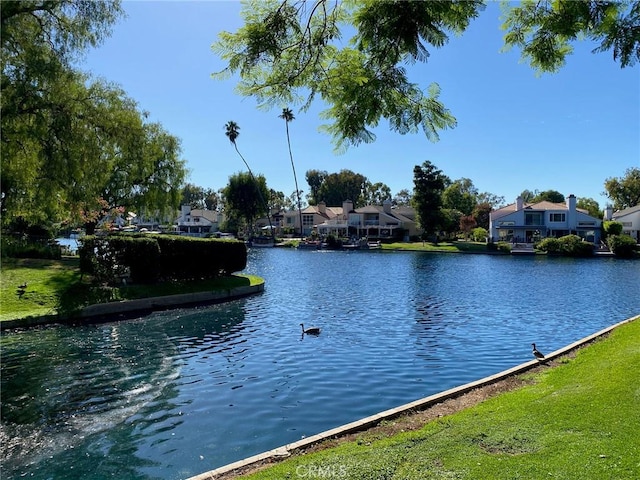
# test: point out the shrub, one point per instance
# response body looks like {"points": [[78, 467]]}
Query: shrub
{"points": [[574, 246], [549, 245], [612, 227], [622, 245], [504, 247], [479, 234], [569, 246]]}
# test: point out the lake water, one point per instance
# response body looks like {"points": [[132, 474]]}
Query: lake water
{"points": [[178, 393]]}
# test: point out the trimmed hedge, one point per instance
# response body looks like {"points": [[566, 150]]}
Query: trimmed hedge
{"points": [[153, 258]]}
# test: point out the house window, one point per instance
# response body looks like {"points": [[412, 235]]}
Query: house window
{"points": [[533, 218], [290, 220], [505, 235], [557, 217], [307, 220]]}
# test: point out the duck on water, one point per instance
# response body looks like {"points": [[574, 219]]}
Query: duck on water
{"points": [[310, 330]]}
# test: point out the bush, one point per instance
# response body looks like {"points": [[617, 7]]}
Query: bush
{"points": [[612, 227], [622, 246], [569, 246], [504, 247], [549, 245], [479, 234], [574, 246]]}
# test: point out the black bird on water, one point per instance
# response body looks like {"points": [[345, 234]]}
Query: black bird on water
{"points": [[537, 353], [310, 330]]}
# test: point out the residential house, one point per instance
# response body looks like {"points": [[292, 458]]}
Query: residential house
{"points": [[312, 216], [527, 223], [197, 222], [629, 218], [371, 221]]}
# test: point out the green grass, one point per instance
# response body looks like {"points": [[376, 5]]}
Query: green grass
{"points": [[56, 286], [576, 420], [45, 280], [455, 247]]}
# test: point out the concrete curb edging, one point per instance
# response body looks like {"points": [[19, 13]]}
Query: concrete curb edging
{"points": [[367, 422], [112, 310]]}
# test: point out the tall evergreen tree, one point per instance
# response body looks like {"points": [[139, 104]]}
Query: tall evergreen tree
{"points": [[429, 184]]}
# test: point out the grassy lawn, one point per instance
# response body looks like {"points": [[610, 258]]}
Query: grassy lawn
{"points": [[575, 420], [468, 247], [55, 285]]}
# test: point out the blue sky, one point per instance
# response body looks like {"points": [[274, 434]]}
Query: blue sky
{"points": [[516, 130]]}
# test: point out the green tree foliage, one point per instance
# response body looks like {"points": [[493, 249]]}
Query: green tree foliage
{"points": [[376, 193], [461, 195], [612, 228], [292, 52], [89, 146], [232, 131], [341, 186], [288, 52], [590, 205], [528, 195], [552, 196], [402, 198], [314, 180], [544, 30], [624, 191], [244, 196], [71, 144], [479, 234], [493, 200], [429, 184], [450, 220], [199, 198]]}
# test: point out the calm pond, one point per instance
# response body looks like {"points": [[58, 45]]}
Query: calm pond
{"points": [[177, 393]]}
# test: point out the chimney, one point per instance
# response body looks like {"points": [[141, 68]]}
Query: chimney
{"points": [[386, 206], [572, 217], [185, 212], [347, 206], [322, 208], [608, 212], [519, 203]]}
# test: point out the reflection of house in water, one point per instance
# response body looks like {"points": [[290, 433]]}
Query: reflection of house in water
{"points": [[197, 222], [527, 223], [372, 221]]}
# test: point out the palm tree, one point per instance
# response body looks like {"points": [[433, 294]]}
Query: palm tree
{"points": [[232, 131], [287, 116]]}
